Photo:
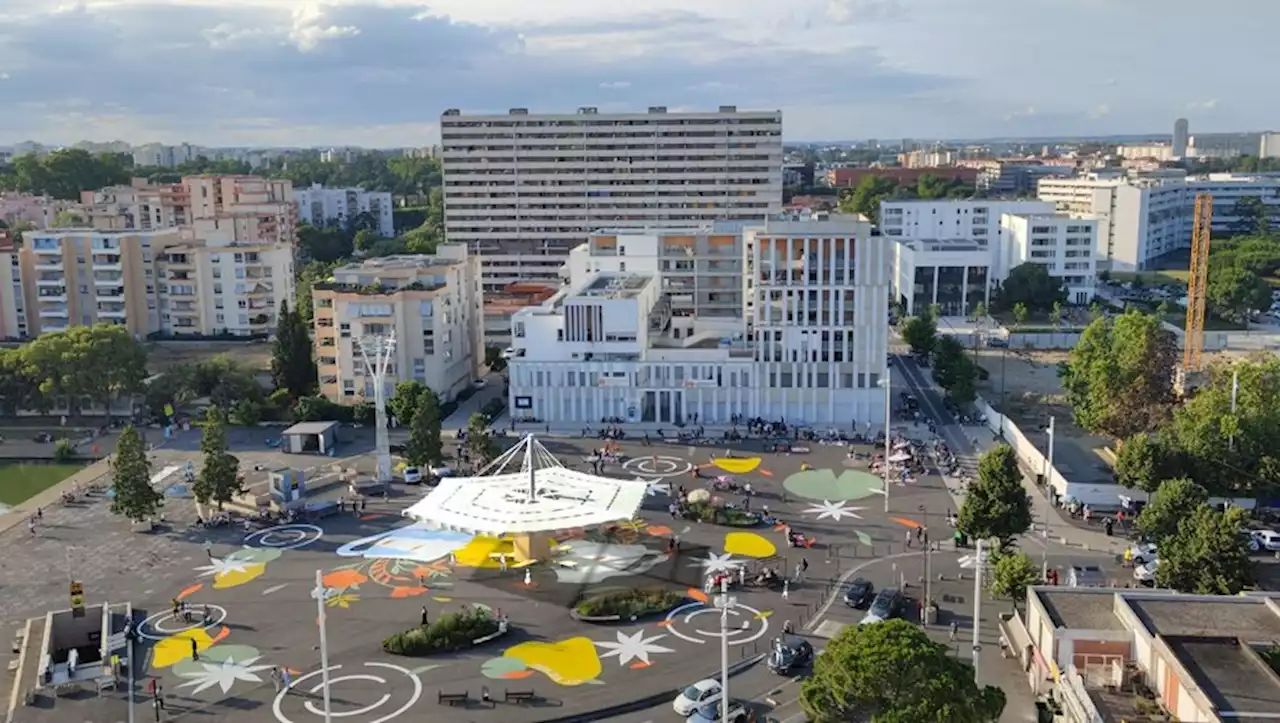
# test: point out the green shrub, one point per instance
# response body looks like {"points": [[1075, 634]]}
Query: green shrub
{"points": [[63, 450], [717, 515], [627, 603], [449, 633]]}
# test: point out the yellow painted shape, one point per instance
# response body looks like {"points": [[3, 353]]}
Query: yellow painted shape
{"points": [[567, 662], [737, 465], [177, 647], [483, 552], [748, 544], [234, 578]]}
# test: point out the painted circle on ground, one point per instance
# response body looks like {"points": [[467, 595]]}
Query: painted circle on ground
{"points": [[743, 626], [284, 537], [375, 677], [820, 485], [162, 624], [657, 466]]}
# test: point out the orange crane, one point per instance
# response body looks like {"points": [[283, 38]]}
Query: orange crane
{"points": [[1193, 347]]}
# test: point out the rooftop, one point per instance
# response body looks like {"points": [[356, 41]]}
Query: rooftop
{"points": [[937, 245], [1246, 617], [615, 286], [401, 262], [1081, 609], [1236, 680]]}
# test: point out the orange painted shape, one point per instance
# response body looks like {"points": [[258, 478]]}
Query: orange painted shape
{"points": [[366, 518], [640, 665], [696, 594], [659, 530], [407, 591], [518, 675], [223, 632], [188, 592], [906, 523], [663, 624], [766, 473], [344, 578]]}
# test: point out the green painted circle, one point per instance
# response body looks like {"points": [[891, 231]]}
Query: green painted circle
{"points": [[499, 668], [825, 484]]}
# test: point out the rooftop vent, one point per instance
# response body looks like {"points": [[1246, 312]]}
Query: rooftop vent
{"points": [[519, 111], [657, 109], [452, 111], [587, 110]]}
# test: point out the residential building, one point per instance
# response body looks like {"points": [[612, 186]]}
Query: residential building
{"points": [[346, 154], [1062, 243], [928, 159], [75, 277], [336, 207], [431, 304], [850, 177], [1204, 657], [640, 335], [1224, 145], [260, 209], [955, 274], [39, 211], [1149, 151], [158, 155], [1017, 177], [13, 306], [1140, 220], [513, 297], [523, 189], [958, 219], [1181, 137]]}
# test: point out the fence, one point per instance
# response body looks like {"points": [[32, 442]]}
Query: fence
{"points": [[1027, 452]]}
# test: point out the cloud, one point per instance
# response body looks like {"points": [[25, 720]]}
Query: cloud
{"points": [[615, 85], [1101, 111], [1204, 105], [844, 12], [1027, 112]]}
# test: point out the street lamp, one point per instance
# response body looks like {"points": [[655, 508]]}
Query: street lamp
{"points": [[724, 601], [928, 567], [888, 423], [321, 594]]}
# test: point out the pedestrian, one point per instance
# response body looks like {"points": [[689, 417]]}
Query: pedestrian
{"points": [[955, 629], [484, 694], [799, 573], [786, 593], [364, 502], [286, 680], [742, 576], [502, 561], [528, 578], [908, 538], [175, 608], [208, 549], [195, 650], [341, 506], [919, 534], [453, 559], [31, 525], [40, 514], [275, 678], [424, 616], [206, 615]]}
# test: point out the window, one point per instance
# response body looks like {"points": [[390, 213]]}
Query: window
{"points": [[244, 319], [217, 288]]}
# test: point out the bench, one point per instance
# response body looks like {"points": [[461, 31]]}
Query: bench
{"points": [[519, 696], [443, 698]]}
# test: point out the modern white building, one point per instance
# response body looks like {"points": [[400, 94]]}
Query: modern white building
{"points": [[1063, 244], [431, 304], [807, 343], [955, 274], [1141, 220], [335, 207], [958, 219], [522, 189]]}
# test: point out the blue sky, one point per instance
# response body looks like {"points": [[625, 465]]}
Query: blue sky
{"points": [[288, 72]]}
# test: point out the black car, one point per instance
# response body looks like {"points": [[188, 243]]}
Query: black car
{"points": [[789, 652], [859, 593], [887, 604]]}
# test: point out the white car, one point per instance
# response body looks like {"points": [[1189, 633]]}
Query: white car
{"points": [[443, 472], [1146, 573], [1142, 553], [412, 475], [1268, 540], [696, 696]]}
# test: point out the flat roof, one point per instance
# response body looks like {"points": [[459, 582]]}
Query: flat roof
{"points": [[1243, 617], [1081, 609], [946, 244], [1232, 677], [310, 428], [615, 285]]}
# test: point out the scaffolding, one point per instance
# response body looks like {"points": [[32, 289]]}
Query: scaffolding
{"points": [[1193, 346]]}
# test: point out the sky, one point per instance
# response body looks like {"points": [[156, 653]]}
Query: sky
{"points": [[378, 74]]}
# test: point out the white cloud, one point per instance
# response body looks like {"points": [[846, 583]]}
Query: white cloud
{"points": [[1027, 112], [1101, 111], [615, 85], [843, 12], [1204, 105]]}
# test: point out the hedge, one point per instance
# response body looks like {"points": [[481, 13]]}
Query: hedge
{"points": [[629, 603], [730, 516], [450, 633]]}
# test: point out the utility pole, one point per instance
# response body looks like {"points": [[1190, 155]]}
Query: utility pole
{"points": [[888, 424], [324, 645], [928, 567], [1048, 476], [979, 563], [724, 602]]}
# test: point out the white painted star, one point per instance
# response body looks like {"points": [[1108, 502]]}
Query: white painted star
{"points": [[633, 647], [717, 563], [225, 674], [655, 488], [834, 511], [224, 566]]}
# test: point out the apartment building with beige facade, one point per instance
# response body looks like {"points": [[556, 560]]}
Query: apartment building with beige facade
{"points": [[432, 306], [13, 314]]}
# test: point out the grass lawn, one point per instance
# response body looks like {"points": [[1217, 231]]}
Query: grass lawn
{"points": [[1153, 278], [20, 482]]}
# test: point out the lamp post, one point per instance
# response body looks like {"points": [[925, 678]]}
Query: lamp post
{"points": [[928, 567], [978, 564], [724, 602], [888, 423], [320, 594], [1235, 391]]}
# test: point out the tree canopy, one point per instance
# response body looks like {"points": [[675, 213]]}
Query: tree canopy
{"points": [[99, 362], [1119, 377], [954, 371], [1031, 285], [997, 506], [1233, 292], [894, 673], [1206, 555], [293, 365], [424, 447], [1011, 574], [920, 333], [64, 174], [1172, 500], [865, 198], [219, 479], [134, 497]]}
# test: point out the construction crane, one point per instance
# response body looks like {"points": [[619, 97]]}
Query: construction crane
{"points": [[1193, 347]]}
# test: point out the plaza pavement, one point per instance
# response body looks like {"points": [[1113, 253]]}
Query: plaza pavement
{"points": [[264, 612]]}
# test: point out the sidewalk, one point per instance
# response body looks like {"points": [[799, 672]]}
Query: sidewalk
{"points": [[462, 415]]}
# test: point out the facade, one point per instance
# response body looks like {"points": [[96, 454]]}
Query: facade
{"points": [[928, 159], [261, 209], [432, 304], [1203, 656], [1153, 151], [955, 274], [523, 189], [1140, 220], [948, 220], [158, 155], [1224, 145], [321, 207], [13, 304], [1014, 178], [849, 177], [629, 339], [1062, 243], [39, 211], [1181, 137]]}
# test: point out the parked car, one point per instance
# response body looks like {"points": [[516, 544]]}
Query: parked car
{"points": [[1146, 574], [789, 652], [711, 713], [1268, 540], [859, 594], [412, 475], [1142, 553], [888, 603], [696, 696]]}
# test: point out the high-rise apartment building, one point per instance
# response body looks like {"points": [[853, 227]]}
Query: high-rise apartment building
{"points": [[795, 329], [337, 207], [1181, 136], [13, 303], [523, 189], [432, 305]]}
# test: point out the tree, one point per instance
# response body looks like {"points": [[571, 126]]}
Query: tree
{"points": [[494, 359], [135, 498], [1252, 216], [404, 400], [892, 672], [1020, 314], [1055, 314], [293, 365], [102, 362], [954, 370], [67, 218], [920, 333], [1031, 284], [313, 273], [1011, 574], [1206, 556], [424, 447], [365, 239], [1234, 292], [980, 312], [326, 245], [865, 198], [1142, 462], [1119, 377], [997, 506], [1173, 499], [479, 442], [219, 478]]}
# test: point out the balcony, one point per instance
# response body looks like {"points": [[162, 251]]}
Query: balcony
{"points": [[45, 265], [111, 312], [107, 263], [54, 312], [109, 281], [58, 281], [57, 298]]}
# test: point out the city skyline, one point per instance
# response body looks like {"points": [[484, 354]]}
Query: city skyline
{"points": [[283, 73]]}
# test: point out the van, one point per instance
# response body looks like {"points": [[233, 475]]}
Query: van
{"points": [[1086, 576]]}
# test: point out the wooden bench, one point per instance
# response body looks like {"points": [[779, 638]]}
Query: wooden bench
{"points": [[520, 697], [452, 699]]}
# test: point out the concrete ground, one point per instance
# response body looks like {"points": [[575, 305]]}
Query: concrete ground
{"points": [[259, 591]]}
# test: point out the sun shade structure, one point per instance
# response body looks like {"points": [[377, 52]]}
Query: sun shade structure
{"points": [[528, 494]]}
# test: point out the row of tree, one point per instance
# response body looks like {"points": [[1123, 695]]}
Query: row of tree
{"points": [[1202, 549], [100, 363], [865, 197], [954, 370]]}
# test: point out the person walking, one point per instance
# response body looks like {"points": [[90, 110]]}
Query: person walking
{"points": [[786, 591], [275, 678], [955, 630], [195, 650], [286, 680], [424, 616]]}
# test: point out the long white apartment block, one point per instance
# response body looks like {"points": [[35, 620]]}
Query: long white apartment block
{"points": [[521, 189], [1061, 243], [629, 339], [959, 219], [1140, 220], [336, 207], [430, 304]]}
